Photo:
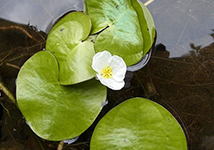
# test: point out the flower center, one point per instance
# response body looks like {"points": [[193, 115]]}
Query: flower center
{"points": [[107, 72]]}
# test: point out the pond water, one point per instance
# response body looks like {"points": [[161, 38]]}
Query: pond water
{"points": [[179, 75]]}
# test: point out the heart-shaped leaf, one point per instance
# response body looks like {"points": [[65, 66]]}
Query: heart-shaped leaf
{"points": [[138, 124], [74, 52], [122, 31], [53, 111]]}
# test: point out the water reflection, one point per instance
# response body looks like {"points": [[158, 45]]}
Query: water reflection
{"points": [[179, 75], [39, 13], [180, 22]]}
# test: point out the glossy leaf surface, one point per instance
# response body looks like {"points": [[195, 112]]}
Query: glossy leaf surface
{"points": [[53, 111], [69, 42], [146, 23], [122, 35], [138, 124]]}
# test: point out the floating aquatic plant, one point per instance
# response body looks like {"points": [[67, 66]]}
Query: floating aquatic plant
{"points": [[57, 92]]}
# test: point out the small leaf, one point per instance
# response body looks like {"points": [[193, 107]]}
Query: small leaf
{"points": [[138, 124], [56, 112], [69, 42]]}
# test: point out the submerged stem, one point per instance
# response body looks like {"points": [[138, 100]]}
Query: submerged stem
{"points": [[60, 146], [12, 65], [7, 92]]}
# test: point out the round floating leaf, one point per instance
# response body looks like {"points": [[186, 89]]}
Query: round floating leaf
{"points": [[138, 124], [122, 31], [74, 52], [146, 23], [53, 111]]}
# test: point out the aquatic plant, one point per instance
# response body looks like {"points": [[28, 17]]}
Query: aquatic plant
{"points": [[59, 96]]}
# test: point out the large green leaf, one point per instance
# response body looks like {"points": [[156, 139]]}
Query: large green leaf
{"points": [[74, 52], [146, 23], [53, 111], [138, 124], [122, 35]]}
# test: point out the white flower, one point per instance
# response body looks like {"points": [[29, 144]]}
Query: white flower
{"points": [[110, 69]]}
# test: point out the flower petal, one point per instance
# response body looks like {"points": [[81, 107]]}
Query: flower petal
{"points": [[111, 83], [118, 68], [101, 59]]}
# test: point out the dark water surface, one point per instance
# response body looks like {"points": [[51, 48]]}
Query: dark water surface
{"points": [[179, 75]]}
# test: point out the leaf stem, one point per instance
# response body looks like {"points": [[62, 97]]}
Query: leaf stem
{"points": [[12, 65], [20, 29], [7, 92], [60, 146], [5, 109]]}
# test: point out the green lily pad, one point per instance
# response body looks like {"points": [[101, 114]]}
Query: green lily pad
{"points": [[56, 112], [146, 23], [138, 124], [68, 40], [121, 33]]}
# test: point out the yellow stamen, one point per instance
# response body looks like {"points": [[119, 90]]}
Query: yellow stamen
{"points": [[107, 72]]}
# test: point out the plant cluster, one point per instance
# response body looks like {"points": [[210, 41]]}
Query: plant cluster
{"points": [[58, 92]]}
